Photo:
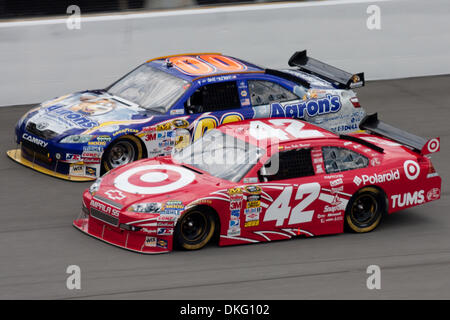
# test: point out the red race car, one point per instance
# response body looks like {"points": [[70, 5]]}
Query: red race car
{"points": [[261, 180]]}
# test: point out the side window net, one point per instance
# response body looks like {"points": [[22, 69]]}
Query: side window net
{"points": [[292, 164], [337, 159], [266, 92], [214, 97]]}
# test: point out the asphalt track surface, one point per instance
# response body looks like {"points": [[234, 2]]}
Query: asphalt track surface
{"points": [[412, 247]]}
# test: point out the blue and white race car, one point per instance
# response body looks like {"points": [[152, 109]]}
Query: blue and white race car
{"points": [[171, 101]]}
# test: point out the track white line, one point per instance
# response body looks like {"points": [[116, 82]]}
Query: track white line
{"points": [[186, 12]]}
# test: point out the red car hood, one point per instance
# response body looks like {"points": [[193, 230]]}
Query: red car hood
{"points": [[157, 180]]}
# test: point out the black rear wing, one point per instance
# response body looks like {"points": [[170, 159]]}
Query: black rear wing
{"points": [[418, 144], [338, 77]]}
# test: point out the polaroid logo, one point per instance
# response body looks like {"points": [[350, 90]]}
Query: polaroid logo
{"points": [[34, 140], [312, 107], [407, 199], [357, 180], [377, 178]]}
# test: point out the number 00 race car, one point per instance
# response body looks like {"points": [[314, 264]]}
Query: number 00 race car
{"points": [[261, 180], [176, 99]]}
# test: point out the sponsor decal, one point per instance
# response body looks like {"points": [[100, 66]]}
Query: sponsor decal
{"points": [[311, 108], [251, 180], [407, 199], [154, 179], [337, 189], [412, 169], [97, 143], [336, 205], [319, 168], [375, 162], [42, 126], [165, 231], [150, 241], [337, 182], [93, 149], [433, 145], [253, 189], [115, 195], [377, 178], [161, 243], [253, 204], [233, 191], [74, 117], [73, 157], [34, 140], [125, 131], [164, 126], [176, 112], [357, 180], [235, 205], [104, 138], [91, 171], [434, 194], [166, 224], [180, 123], [252, 217], [234, 231], [76, 170], [104, 208]]}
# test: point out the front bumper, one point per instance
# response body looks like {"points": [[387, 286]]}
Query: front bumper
{"points": [[114, 233], [57, 169]]}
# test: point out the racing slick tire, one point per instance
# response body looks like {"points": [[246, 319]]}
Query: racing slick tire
{"points": [[365, 210], [120, 152], [194, 229]]}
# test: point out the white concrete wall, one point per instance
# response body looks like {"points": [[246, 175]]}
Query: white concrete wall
{"points": [[40, 59]]}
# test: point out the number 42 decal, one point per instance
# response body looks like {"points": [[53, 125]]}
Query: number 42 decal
{"points": [[280, 210]]}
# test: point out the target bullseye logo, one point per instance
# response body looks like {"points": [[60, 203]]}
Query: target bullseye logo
{"points": [[154, 179], [412, 169], [433, 145]]}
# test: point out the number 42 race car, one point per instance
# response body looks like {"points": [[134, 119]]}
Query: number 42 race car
{"points": [[172, 101], [261, 180]]}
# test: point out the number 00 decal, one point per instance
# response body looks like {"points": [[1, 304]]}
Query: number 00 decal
{"points": [[280, 209], [206, 64]]}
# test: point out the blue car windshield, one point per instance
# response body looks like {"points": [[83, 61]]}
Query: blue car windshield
{"points": [[152, 89]]}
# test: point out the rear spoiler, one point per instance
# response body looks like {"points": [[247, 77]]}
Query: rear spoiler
{"points": [[340, 78], [418, 144]]}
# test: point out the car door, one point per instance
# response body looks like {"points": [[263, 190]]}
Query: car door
{"points": [[213, 104], [284, 201]]}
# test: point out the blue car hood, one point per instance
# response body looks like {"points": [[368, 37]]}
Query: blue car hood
{"points": [[79, 112]]}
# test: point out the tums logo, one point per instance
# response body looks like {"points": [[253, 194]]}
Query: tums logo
{"points": [[407, 199]]}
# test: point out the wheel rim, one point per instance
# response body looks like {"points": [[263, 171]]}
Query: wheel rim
{"points": [[194, 226], [364, 209], [121, 153]]}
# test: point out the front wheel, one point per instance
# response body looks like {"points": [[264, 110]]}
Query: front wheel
{"points": [[365, 210], [121, 152], [194, 229]]}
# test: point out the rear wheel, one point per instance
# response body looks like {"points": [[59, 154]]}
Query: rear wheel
{"points": [[365, 210], [121, 152], [195, 229]]}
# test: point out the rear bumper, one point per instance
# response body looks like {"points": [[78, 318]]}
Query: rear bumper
{"points": [[57, 169], [129, 240]]}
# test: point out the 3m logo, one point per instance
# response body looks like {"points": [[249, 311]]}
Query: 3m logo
{"points": [[357, 180]]}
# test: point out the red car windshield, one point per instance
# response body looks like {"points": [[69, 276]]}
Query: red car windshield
{"points": [[221, 155]]}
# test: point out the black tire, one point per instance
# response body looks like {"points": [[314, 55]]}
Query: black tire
{"points": [[194, 229], [120, 152], [365, 210]]}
